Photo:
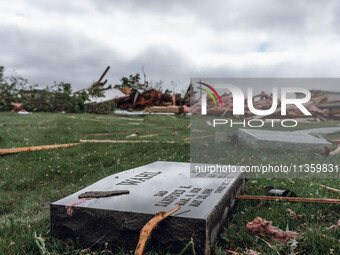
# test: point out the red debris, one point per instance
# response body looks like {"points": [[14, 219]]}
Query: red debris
{"points": [[69, 208], [264, 227], [17, 107]]}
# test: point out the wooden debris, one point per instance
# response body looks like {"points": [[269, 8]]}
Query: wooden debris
{"points": [[329, 188], [22, 125], [132, 135], [140, 97], [151, 135], [126, 141], [36, 148], [258, 205], [291, 199], [200, 137], [99, 194], [99, 83], [232, 252], [147, 229], [336, 141], [336, 151], [111, 133], [171, 116], [101, 121], [165, 109]]}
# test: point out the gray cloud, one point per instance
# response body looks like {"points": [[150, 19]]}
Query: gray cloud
{"points": [[73, 41]]}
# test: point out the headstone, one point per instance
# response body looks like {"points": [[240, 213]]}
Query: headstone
{"points": [[319, 131], [280, 140], [160, 186]]}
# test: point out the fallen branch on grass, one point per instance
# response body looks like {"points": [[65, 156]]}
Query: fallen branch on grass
{"points": [[232, 252], [329, 188], [145, 136], [147, 229], [336, 151], [112, 133], [126, 141], [291, 199], [336, 141], [35, 148], [200, 137], [22, 125], [171, 116]]}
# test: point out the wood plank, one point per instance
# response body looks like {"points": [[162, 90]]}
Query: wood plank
{"points": [[291, 199], [36, 148]]}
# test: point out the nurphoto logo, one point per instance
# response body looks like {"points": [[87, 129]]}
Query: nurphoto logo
{"points": [[239, 100]]}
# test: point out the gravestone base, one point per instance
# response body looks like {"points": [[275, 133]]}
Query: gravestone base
{"points": [[280, 140], [160, 186]]}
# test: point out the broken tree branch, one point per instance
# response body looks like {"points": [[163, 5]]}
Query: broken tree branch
{"points": [[330, 188], [145, 136], [200, 137], [127, 141], [99, 194], [35, 148], [147, 229], [291, 199], [102, 76], [336, 151]]}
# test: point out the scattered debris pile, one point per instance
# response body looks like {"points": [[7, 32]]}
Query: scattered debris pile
{"points": [[133, 95], [324, 105], [139, 99]]}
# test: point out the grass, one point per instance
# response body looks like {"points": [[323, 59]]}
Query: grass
{"points": [[29, 180]]}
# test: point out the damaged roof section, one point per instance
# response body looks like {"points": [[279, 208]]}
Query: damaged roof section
{"points": [[110, 94]]}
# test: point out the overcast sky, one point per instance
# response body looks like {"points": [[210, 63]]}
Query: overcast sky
{"points": [[73, 41]]}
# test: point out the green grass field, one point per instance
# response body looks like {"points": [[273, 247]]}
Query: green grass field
{"points": [[28, 181]]}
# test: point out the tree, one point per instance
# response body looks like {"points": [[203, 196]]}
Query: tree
{"points": [[132, 82], [59, 97]]}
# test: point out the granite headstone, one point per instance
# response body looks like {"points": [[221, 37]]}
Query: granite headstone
{"points": [[160, 186]]}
